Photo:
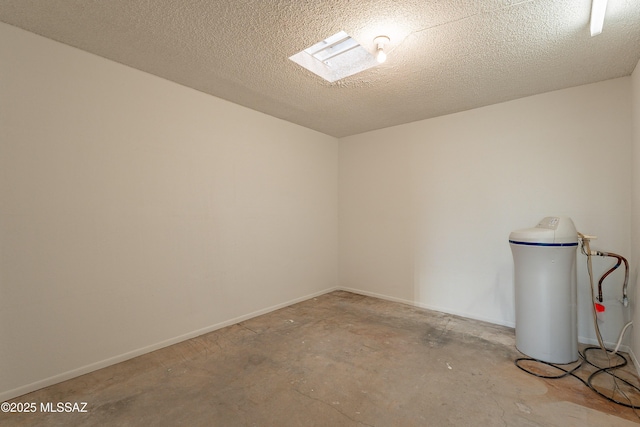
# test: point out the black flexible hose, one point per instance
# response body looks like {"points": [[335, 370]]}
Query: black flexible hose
{"points": [[589, 381]]}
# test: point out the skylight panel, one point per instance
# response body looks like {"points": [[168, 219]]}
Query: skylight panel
{"points": [[335, 57]]}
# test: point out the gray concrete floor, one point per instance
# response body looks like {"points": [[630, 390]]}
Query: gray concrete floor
{"points": [[340, 359]]}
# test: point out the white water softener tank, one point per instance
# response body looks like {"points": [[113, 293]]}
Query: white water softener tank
{"points": [[544, 260]]}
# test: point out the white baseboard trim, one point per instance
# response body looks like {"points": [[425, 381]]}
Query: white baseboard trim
{"points": [[19, 391], [64, 376], [428, 307], [610, 345], [634, 359]]}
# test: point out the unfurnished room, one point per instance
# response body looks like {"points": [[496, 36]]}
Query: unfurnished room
{"points": [[319, 213]]}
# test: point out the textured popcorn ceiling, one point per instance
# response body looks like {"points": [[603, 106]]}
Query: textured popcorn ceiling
{"points": [[445, 56]]}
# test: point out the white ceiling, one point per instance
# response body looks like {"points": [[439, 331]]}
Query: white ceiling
{"points": [[444, 57]]}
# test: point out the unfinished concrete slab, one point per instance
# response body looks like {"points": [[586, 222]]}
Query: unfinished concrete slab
{"points": [[340, 359]]}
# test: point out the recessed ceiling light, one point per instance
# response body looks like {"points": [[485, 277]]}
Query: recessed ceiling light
{"points": [[335, 57]]}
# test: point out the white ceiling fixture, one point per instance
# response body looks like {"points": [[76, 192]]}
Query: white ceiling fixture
{"points": [[380, 41], [598, 9], [335, 57]]}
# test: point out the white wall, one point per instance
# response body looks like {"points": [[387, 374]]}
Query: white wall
{"points": [[635, 218], [426, 208], [135, 212]]}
